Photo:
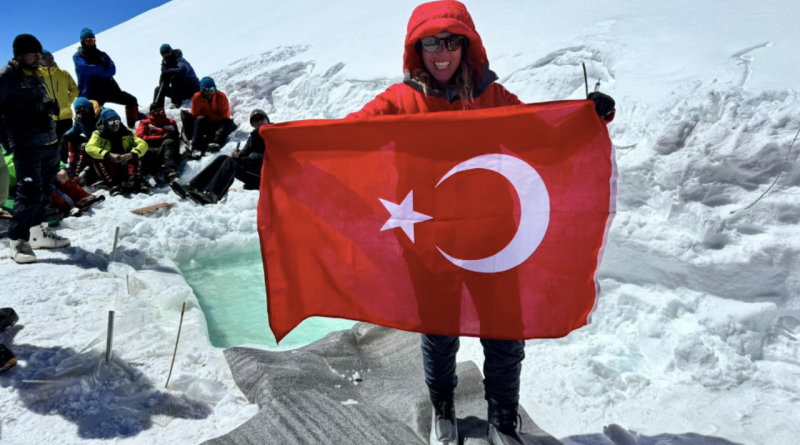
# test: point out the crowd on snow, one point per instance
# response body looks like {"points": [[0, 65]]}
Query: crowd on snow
{"points": [[52, 159], [59, 142]]}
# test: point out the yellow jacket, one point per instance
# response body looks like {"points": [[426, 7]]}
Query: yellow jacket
{"points": [[61, 87], [98, 146]]}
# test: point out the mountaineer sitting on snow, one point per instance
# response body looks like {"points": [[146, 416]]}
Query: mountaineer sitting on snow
{"points": [[163, 139], [178, 80], [117, 154], [210, 123], [213, 182], [96, 81], [80, 164]]}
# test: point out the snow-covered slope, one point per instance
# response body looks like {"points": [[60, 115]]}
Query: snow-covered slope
{"points": [[696, 331]]}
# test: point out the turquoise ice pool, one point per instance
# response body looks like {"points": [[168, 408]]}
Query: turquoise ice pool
{"points": [[231, 292]]}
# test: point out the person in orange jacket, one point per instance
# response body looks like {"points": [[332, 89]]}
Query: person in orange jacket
{"points": [[210, 123], [446, 69]]}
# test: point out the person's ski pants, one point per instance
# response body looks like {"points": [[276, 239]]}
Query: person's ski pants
{"points": [[166, 154], [218, 176], [36, 166], [122, 98], [205, 131], [62, 126], [176, 89], [501, 368]]}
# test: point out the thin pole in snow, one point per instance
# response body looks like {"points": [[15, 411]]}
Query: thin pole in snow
{"points": [[174, 354], [776, 178], [585, 79], [110, 338], [114, 250]]}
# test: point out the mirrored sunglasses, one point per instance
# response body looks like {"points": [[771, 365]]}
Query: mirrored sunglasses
{"points": [[452, 42]]}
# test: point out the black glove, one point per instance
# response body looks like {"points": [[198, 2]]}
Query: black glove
{"points": [[603, 103]]}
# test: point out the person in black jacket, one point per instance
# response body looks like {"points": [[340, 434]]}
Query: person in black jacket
{"points": [[213, 182], [27, 128], [178, 80]]}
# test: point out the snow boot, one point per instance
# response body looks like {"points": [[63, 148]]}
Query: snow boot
{"points": [[43, 237], [196, 155], [444, 427], [7, 358], [503, 422], [213, 147], [179, 189], [21, 252], [202, 197], [116, 190], [8, 318]]}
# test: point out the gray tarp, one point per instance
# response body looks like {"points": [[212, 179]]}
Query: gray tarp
{"points": [[310, 395]]}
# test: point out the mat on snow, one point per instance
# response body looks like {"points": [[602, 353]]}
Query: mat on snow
{"points": [[313, 394]]}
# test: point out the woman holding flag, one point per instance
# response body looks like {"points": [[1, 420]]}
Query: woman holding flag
{"points": [[446, 69]]}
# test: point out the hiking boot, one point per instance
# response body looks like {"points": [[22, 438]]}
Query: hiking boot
{"points": [[21, 252], [8, 318], [152, 181], [7, 358], [43, 237], [141, 188], [171, 176], [503, 423], [115, 191], [179, 189], [202, 197], [213, 147], [444, 428], [197, 154]]}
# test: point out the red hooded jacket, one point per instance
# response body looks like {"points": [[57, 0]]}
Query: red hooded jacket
{"points": [[408, 97], [217, 110], [152, 130]]}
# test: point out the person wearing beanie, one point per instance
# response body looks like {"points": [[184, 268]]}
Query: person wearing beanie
{"points": [[28, 130], [117, 154], [96, 72], [163, 138], [62, 88], [178, 80], [85, 123], [214, 181], [209, 124]]}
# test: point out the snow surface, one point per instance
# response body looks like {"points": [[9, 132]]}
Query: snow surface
{"points": [[696, 331]]}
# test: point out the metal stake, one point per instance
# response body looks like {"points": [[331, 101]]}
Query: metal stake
{"points": [[174, 354], [114, 251], [110, 339]]}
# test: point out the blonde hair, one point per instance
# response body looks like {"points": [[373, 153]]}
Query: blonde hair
{"points": [[464, 80]]}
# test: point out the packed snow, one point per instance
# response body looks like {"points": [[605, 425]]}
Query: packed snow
{"points": [[695, 337]]}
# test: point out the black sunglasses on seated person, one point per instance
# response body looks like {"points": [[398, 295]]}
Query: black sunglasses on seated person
{"points": [[452, 42]]}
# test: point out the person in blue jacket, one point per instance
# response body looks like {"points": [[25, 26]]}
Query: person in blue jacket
{"points": [[96, 72], [178, 80]]}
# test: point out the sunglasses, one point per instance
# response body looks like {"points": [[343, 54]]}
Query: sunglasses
{"points": [[209, 89], [158, 113], [90, 40], [452, 42], [114, 122]]}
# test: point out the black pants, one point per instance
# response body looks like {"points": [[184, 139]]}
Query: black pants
{"points": [[203, 131], [117, 96], [62, 126], [218, 176], [176, 89], [37, 166], [501, 369], [166, 155]]}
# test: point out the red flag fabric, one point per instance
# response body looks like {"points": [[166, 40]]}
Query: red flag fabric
{"points": [[487, 223]]}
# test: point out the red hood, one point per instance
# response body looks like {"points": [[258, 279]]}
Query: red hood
{"points": [[432, 18]]}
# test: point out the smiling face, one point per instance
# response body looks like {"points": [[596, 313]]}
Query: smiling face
{"points": [[442, 64]]}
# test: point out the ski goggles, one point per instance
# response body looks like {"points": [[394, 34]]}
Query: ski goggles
{"points": [[114, 124], [452, 42], [90, 40], [158, 113], [210, 89]]}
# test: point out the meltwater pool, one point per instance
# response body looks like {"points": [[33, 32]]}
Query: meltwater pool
{"points": [[231, 292]]}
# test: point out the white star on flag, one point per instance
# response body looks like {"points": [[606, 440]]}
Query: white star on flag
{"points": [[403, 215]]}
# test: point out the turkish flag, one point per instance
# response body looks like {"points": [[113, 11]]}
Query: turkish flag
{"points": [[486, 223]]}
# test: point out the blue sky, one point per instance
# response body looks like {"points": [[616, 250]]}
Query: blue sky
{"points": [[57, 23]]}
